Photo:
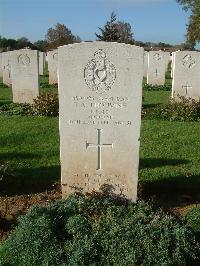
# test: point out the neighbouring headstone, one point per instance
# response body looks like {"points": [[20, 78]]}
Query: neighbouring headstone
{"points": [[172, 65], [145, 63], [156, 68], [6, 64], [41, 63], [167, 60], [25, 75], [100, 96], [186, 75], [1, 66], [53, 66]]}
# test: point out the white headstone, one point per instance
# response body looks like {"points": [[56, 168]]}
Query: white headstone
{"points": [[167, 60], [53, 66], [25, 75], [156, 68], [145, 63], [41, 63], [6, 63], [1, 66], [100, 96], [186, 75]]}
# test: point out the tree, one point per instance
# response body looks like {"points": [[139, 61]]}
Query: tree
{"points": [[193, 28], [60, 35], [115, 31], [22, 42], [41, 45]]}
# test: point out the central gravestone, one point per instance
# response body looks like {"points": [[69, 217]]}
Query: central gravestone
{"points": [[100, 95]]}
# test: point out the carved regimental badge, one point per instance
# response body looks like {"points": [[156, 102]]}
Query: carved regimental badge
{"points": [[55, 56], [188, 61], [157, 57], [100, 73], [24, 59]]}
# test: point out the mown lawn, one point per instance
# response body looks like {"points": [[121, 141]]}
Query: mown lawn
{"points": [[169, 156]]}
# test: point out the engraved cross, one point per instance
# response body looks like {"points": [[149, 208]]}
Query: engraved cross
{"points": [[187, 87], [99, 146], [156, 72]]}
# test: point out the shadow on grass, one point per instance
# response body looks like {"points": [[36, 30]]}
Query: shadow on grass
{"points": [[2, 102], [150, 105], [187, 187], [159, 162], [17, 155], [30, 180]]}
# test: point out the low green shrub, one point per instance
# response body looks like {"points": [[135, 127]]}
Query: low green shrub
{"points": [[149, 87], [46, 104], [193, 220], [96, 230], [182, 110], [15, 109]]}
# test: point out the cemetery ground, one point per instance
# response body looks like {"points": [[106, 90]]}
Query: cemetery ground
{"points": [[169, 160]]}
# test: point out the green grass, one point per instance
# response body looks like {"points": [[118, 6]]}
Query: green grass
{"points": [[169, 155]]}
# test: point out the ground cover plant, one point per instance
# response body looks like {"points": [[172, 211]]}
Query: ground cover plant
{"points": [[98, 230], [193, 220], [185, 109]]}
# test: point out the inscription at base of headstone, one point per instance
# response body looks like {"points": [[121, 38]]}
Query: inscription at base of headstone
{"points": [[25, 75], [186, 77], [100, 96]]}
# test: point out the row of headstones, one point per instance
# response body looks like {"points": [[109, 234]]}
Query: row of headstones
{"points": [[185, 71], [21, 69], [100, 100], [23, 74]]}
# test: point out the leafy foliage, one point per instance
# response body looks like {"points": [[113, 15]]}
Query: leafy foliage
{"points": [[193, 220], [15, 109], [60, 35], [182, 110], [115, 31], [98, 230], [149, 87], [193, 28], [12, 44], [46, 104]]}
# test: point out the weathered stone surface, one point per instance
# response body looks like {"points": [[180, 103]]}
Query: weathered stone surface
{"points": [[186, 74], [41, 63], [1, 66], [6, 63], [53, 66], [100, 94], [156, 68], [25, 75], [167, 59], [145, 63]]}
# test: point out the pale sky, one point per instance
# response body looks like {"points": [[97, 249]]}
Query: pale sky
{"points": [[151, 20]]}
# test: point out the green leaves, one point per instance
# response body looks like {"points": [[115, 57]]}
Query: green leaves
{"points": [[98, 230]]}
